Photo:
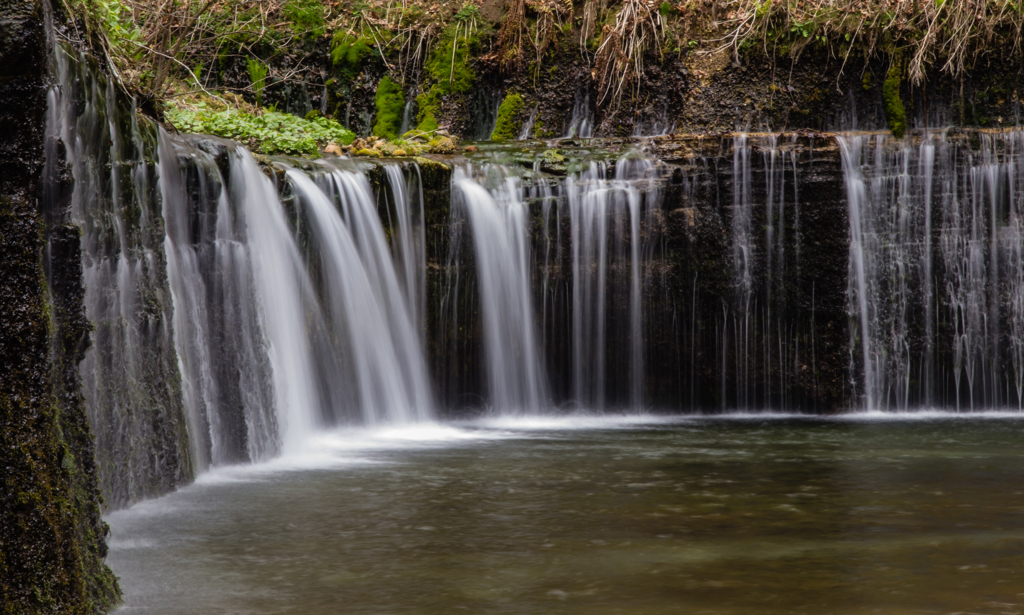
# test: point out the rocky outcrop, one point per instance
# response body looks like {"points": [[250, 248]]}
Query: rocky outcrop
{"points": [[52, 541]]}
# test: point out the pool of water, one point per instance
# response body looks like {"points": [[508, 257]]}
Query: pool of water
{"points": [[860, 514]]}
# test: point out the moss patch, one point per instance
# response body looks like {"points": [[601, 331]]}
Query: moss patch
{"points": [[390, 107], [349, 54], [509, 120], [895, 114], [449, 71]]}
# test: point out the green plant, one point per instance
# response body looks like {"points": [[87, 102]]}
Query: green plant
{"points": [[448, 64], [269, 133], [390, 106], [258, 78]]}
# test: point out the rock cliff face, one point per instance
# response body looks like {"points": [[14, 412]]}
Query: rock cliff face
{"points": [[52, 541]]}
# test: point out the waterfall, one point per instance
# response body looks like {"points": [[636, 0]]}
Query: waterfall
{"points": [[232, 321], [499, 227], [243, 307], [310, 336], [582, 122], [935, 269], [365, 299], [410, 242], [527, 130], [219, 339], [605, 211], [130, 378], [575, 261], [756, 339]]}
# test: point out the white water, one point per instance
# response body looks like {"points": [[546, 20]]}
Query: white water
{"points": [[947, 335], [582, 122], [604, 212], [498, 219], [313, 337], [365, 299]]}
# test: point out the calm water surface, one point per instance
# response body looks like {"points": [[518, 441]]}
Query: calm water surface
{"points": [[742, 515]]}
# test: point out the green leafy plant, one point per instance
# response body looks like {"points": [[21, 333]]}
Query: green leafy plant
{"points": [[258, 77], [269, 133]]}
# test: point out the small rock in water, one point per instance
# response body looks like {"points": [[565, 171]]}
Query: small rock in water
{"points": [[333, 149], [471, 148]]}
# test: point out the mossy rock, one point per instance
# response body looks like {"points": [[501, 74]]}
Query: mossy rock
{"points": [[509, 118], [390, 107], [442, 145], [350, 54], [895, 114]]}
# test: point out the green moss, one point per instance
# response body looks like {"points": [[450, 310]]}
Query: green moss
{"points": [[349, 54], [509, 121], [307, 16], [895, 114], [428, 105], [865, 82], [390, 106], [427, 123], [448, 65]]}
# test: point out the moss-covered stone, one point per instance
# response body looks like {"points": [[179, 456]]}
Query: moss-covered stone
{"points": [[895, 114], [448, 65], [349, 54], [449, 72], [509, 118], [390, 107]]}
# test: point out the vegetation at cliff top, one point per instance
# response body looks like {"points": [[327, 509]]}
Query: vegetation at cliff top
{"points": [[154, 42], [160, 49], [268, 132]]}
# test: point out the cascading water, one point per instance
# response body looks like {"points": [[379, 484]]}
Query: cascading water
{"points": [[218, 331], [582, 122], [499, 227], [218, 338], [935, 284], [754, 333], [410, 242], [314, 337], [600, 212], [580, 280], [130, 376], [364, 296]]}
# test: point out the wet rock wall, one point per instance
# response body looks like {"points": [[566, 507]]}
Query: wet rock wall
{"points": [[52, 541]]}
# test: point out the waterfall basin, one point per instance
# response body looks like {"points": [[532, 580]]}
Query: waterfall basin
{"points": [[738, 514]]}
